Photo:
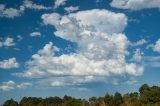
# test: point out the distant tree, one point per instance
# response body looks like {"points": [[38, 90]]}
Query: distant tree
{"points": [[52, 101], [117, 99], [10, 102], [30, 101], [92, 101], [147, 96], [108, 99], [143, 89]]}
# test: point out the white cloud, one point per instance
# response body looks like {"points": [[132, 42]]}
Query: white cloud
{"points": [[138, 43], [137, 55], [9, 12], [101, 51], [10, 85], [152, 61], [7, 86], [24, 85], [7, 42], [71, 9], [51, 19], [135, 4], [58, 3], [34, 34], [10, 63], [156, 47], [29, 4], [14, 12]]}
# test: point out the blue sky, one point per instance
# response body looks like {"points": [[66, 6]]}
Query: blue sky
{"points": [[81, 48]]}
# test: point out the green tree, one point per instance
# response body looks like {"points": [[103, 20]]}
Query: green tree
{"points": [[117, 100], [10, 102]]}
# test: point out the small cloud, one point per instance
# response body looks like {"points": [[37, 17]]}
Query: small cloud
{"points": [[34, 34], [156, 47], [24, 85], [10, 63], [58, 3], [9, 12], [7, 42], [135, 4], [19, 37], [137, 55], [138, 43], [30, 5], [71, 9], [81, 89], [7, 86]]}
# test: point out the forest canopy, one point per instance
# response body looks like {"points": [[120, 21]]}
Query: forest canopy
{"points": [[147, 96]]}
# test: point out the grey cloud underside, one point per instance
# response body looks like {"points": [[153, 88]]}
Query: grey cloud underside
{"points": [[102, 49]]}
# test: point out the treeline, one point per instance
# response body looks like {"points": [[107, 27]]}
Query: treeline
{"points": [[147, 96]]}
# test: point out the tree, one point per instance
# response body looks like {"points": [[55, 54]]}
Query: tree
{"points": [[143, 89], [108, 99], [117, 100], [10, 102]]}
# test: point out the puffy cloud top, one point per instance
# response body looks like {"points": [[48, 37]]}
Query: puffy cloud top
{"points": [[101, 53]]}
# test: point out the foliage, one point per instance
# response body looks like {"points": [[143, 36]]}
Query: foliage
{"points": [[147, 96]]}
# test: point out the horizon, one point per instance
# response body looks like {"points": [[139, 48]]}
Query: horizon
{"points": [[78, 48]]}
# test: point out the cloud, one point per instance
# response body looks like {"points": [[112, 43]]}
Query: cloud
{"points": [[156, 47], [71, 9], [10, 63], [30, 5], [100, 55], [137, 55], [7, 86], [138, 43], [13, 12], [10, 12], [7, 42], [19, 37], [10, 85], [58, 3], [34, 34], [152, 61], [24, 85], [135, 4]]}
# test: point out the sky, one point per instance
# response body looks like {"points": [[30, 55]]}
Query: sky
{"points": [[80, 48]]}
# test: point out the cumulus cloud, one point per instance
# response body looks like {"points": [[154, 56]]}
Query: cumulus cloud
{"points": [[10, 63], [101, 51], [7, 86], [10, 85], [156, 47], [15, 12], [58, 3], [137, 55], [71, 9], [9, 42], [34, 34], [24, 85], [135, 4], [29, 4], [138, 43], [10, 12]]}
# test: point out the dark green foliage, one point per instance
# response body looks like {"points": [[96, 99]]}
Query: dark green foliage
{"points": [[147, 96], [10, 102]]}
